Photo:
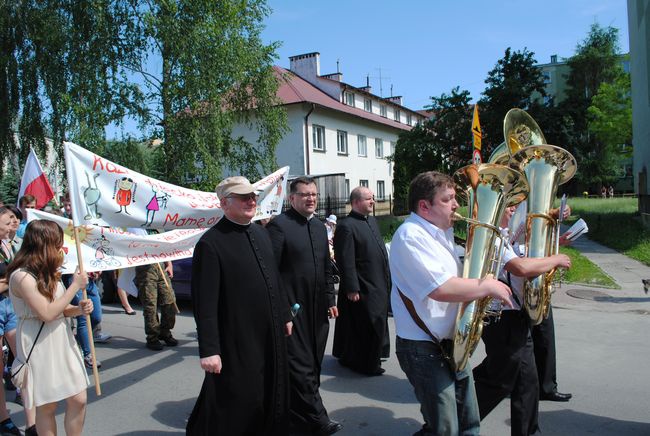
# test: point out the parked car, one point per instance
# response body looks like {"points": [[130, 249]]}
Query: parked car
{"points": [[182, 278]]}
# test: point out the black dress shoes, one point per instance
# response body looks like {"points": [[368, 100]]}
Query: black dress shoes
{"points": [[330, 428], [555, 396]]}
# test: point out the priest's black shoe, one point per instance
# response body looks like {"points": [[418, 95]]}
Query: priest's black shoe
{"points": [[330, 428], [555, 396]]}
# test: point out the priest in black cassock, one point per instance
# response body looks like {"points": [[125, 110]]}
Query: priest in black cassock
{"points": [[361, 334], [242, 318], [301, 250]]}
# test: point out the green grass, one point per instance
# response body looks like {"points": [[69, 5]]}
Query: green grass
{"points": [[584, 271], [615, 223]]}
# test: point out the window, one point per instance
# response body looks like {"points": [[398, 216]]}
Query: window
{"points": [[349, 98], [379, 147], [341, 142], [347, 189], [362, 146], [383, 111], [363, 183], [409, 121], [367, 105], [397, 115], [546, 75], [318, 137], [381, 190]]}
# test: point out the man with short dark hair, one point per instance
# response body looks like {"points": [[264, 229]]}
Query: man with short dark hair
{"points": [[425, 298], [301, 250], [361, 335], [242, 317], [25, 202]]}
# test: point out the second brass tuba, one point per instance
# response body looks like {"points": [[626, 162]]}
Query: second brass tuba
{"points": [[546, 167], [488, 190]]}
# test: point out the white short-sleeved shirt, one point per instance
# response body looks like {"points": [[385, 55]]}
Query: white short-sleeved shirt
{"points": [[422, 258], [516, 283]]}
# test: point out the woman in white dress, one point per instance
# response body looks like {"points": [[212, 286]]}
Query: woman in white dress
{"points": [[55, 370]]}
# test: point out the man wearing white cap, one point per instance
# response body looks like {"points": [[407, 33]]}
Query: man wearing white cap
{"points": [[242, 317]]}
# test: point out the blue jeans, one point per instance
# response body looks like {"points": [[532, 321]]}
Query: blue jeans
{"points": [[447, 400], [95, 316]]}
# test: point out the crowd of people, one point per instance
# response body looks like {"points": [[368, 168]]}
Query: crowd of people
{"points": [[263, 307], [44, 320]]}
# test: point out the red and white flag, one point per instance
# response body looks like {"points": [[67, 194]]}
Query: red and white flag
{"points": [[34, 182]]}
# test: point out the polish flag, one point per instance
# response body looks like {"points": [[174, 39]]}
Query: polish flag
{"points": [[34, 182]]}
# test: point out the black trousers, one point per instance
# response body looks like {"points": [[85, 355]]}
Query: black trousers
{"points": [[509, 369], [544, 342]]}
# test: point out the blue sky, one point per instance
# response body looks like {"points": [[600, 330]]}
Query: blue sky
{"points": [[425, 48]]}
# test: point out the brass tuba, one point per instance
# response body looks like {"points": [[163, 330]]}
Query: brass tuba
{"points": [[546, 167], [488, 190]]}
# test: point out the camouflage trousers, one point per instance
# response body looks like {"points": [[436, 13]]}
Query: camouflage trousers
{"points": [[153, 292]]}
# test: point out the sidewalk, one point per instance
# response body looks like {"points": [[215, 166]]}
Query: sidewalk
{"points": [[625, 271]]}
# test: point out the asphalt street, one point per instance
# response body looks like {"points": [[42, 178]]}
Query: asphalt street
{"points": [[602, 348]]}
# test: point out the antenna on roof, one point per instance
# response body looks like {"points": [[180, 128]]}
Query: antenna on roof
{"points": [[381, 81], [368, 80], [391, 89], [337, 65]]}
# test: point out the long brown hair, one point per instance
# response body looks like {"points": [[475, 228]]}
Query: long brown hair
{"points": [[39, 254]]}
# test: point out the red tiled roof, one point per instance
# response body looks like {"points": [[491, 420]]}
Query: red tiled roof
{"points": [[294, 89]]}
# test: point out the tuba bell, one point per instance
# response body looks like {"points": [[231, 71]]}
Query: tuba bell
{"points": [[488, 190]]}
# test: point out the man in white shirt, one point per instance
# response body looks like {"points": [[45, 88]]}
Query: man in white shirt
{"points": [[426, 271]]}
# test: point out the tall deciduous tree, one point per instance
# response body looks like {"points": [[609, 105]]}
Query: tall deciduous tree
{"points": [[597, 61], [187, 70], [510, 84], [214, 71], [442, 143], [59, 72]]}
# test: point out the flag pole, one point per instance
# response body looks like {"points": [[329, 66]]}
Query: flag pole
{"points": [[98, 388]]}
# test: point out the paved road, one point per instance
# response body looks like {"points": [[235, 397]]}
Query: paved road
{"points": [[603, 357]]}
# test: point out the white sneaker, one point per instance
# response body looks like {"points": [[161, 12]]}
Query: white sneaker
{"points": [[102, 338]]}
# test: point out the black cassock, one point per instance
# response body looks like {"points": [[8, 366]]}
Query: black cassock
{"points": [[361, 335], [240, 312], [302, 252]]}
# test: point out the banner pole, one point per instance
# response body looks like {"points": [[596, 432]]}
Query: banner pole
{"points": [[98, 388], [164, 276]]}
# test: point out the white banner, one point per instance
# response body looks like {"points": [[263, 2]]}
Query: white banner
{"points": [[104, 193], [104, 248]]}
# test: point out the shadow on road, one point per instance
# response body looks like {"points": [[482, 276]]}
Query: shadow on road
{"points": [[579, 423]]}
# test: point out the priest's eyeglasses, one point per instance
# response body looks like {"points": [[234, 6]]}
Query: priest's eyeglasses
{"points": [[244, 197]]}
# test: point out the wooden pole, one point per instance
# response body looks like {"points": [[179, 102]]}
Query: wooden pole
{"points": [[162, 272], [98, 388]]}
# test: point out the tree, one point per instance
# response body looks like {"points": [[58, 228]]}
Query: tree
{"points": [[610, 113], [510, 84], [442, 143], [596, 62], [214, 72], [60, 73], [69, 69]]}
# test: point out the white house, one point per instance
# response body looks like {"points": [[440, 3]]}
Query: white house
{"points": [[338, 128]]}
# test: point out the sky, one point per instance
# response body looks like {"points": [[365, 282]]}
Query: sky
{"points": [[423, 48], [426, 48]]}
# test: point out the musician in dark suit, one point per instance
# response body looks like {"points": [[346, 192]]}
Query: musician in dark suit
{"points": [[509, 366]]}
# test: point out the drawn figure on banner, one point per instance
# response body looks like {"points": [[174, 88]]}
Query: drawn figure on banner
{"points": [[156, 203], [91, 197], [104, 253], [122, 193]]}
